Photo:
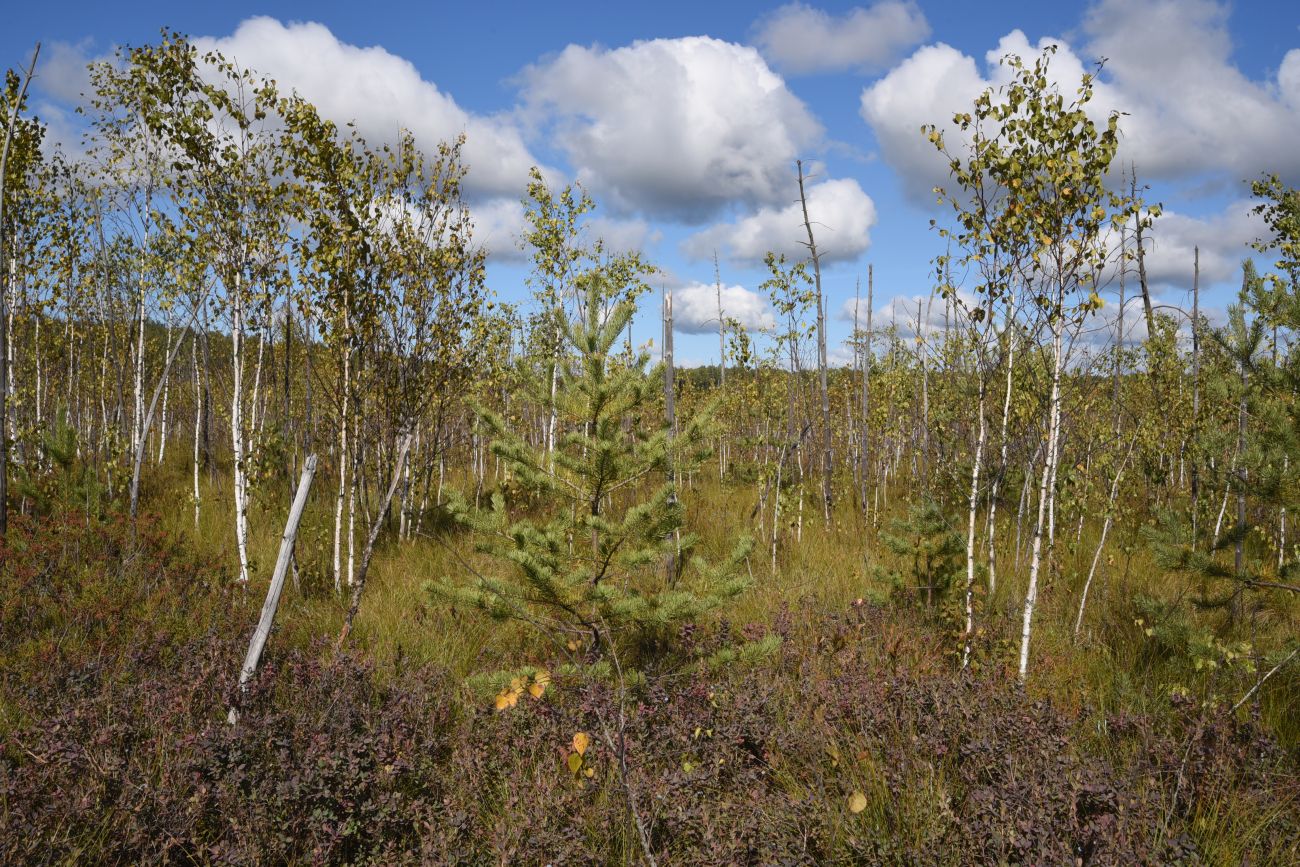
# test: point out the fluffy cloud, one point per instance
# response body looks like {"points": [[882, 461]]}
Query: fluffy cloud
{"points": [[62, 74], [1169, 68], [799, 38], [695, 308], [935, 83], [499, 228], [1170, 64], [927, 315], [673, 127], [842, 216], [1223, 239], [621, 236], [499, 225], [381, 92]]}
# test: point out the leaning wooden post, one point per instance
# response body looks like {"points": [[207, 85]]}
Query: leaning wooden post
{"points": [[272, 602]]}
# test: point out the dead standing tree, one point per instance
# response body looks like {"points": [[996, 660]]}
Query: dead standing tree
{"points": [[815, 256]]}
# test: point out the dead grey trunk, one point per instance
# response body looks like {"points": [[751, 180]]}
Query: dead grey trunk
{"points": [[827, 463], [263, 630]]}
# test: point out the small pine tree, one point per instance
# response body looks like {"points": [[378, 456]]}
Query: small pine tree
{"points": [[935, 549], [606, 571], [61, 482]]}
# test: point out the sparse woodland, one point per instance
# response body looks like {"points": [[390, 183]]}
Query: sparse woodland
{"points": [[1015, 589]]}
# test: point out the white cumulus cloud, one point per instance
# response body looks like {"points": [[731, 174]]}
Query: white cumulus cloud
{"points": [[1191, 109], [800, 38], [1188, 109], [695, 308], [841, 213], [382, 92], [500, 224], [1223, 240], [676, 128], [935, 83]]}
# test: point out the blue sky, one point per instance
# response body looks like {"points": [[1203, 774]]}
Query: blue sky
{"points": [[684, 120]]}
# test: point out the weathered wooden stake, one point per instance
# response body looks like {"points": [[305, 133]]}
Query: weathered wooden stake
{"points": [[272, 602]]}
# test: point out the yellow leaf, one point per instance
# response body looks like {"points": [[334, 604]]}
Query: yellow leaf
{"points": [[589, 772], [536, 690], [575, 763], [857, 802], [580, 742]]}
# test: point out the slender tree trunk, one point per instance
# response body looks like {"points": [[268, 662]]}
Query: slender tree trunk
{"points": [[144, 429], [1002, 459], [237, 426], [36, 358], [344, 458], [827, 464], [1101, 542], [166, 386], [1046, 492], [137, 411], [198, 419], [263, 631], [670, 422], [5, 279], [209, 459], [866, 386], [1196, 391], [360, 585], [357, 467], [1142, 265], [973, 505], [1238, 548]]}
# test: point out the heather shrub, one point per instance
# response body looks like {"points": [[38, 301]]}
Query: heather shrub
{"points": [[334, 762], [79, 591], [855, 741]]}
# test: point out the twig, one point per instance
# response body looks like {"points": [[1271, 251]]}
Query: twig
{"points": [[1260, 683]]}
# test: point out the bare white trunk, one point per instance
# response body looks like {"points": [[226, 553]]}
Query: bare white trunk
{"points": [[344, 462], [198, 422], [552, 419], [36, 353], [1046, 495], [162, 422], [973, 507], [1002, 465], [352, 508], [282, 561], [237, 429]]}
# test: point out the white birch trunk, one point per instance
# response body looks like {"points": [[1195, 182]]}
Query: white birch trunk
{"points": [[343, 462], [1046, 494], [1002, 466], [162, 422], [237, 427], [970, 526], [198, 422]]}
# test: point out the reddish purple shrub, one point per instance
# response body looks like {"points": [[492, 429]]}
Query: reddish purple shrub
{"points": [[124, 755]]}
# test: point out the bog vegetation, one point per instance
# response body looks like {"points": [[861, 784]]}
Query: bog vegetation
{"points": [[1011, 587]]}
